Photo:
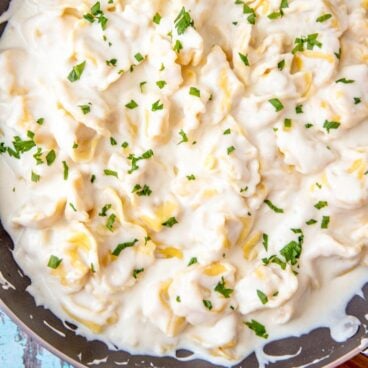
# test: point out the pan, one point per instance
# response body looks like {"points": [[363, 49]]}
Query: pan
{"points": [[314, 349]]}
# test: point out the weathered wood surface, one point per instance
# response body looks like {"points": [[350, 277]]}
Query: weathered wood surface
{"points": [[18, 350]]}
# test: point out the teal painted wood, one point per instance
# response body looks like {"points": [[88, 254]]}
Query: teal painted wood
{"points": [[18, 350]]}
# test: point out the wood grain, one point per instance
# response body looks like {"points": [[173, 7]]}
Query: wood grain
{"points": [[361, 361]]}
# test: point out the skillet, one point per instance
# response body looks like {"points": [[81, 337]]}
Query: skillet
{"points": [[316, 348]]}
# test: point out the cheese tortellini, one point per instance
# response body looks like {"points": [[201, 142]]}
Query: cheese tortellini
{"points": [[186, 174]]}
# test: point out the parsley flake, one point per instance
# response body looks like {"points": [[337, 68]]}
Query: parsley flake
{"points": [[54, 262], [193, 261], [194, 92], [222, 289], [120, 247], [276, 103], [170, 222], [131, 105], [77, 72], [109, 172], [183, 21], [262, 297], [244, 59], [323, 18], [207, 304], [258, 328], [328, 125], [273, 207]]}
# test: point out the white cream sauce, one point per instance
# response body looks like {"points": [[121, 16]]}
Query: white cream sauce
{"points": [[150, 139]]}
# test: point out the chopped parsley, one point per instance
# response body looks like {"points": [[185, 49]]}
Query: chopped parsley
{"points": [[262, 297], [54, 262], [110, 222], [137, 271], [144, 191], [194, 92], [221, 289], [252, 16], [288, 123], [111, 62], [77, 72], [207, 304], [345, 81], [50, 158], [311, 222], [281, 65], [308, 125], [120, 247], [230, 150], [323, 18], [178, 299], [157, 18], [325, 222], [278, 14], [40, 121], [265, 241], [131, 105], [157, 106], [178, 46], [328, 125], [292, 251], [184, 137], [72, 207], [274, 259], [276, 103], [125, 145], [258, 328], [113, 141], [92, 268], [109, 172], [96, 14], [161, 84], [273, 207], [93, 178], [35, 177], [22, 146], [244, 59], [227, 131], [139, 57], [170, 222], [38, 156], [134, 160], [104, 210], [66, 170], [86, 109], [299, 109], [193, 261], [357, 100], [191, 177], [338, 54], [309, 41], [183, 21], [141, 86], [321, 204]]}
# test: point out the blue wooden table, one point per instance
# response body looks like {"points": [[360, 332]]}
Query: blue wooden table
{"points": [[17, 350]]}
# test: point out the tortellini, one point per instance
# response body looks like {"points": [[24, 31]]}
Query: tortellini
{"points": [[186, 174]]}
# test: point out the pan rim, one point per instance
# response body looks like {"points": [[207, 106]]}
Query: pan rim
{"points": [[61, 355]]}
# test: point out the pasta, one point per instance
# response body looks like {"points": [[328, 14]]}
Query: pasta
{"points": [[186, 174]]}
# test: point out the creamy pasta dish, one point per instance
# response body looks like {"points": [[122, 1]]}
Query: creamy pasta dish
{"points": [[187, 174]]}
